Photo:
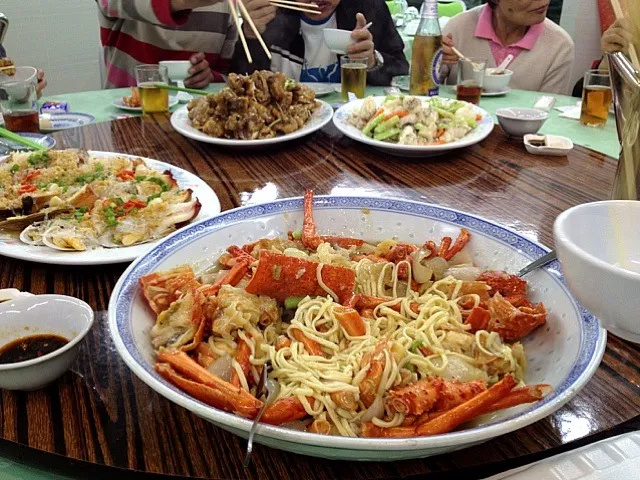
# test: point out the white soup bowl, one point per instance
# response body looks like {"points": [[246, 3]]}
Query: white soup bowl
{"points": [[518, 122]]}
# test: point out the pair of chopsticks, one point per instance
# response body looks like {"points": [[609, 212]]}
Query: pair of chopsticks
{"points": [[21, 140], [298, 6], [617, 10], [289, 4], [164, 86], [460, 55]]}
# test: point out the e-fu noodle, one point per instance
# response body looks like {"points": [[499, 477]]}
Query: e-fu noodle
{"points": [[359, 338]]}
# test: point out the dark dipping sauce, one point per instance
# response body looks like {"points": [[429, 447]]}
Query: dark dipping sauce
{"points": [[27, 348]]}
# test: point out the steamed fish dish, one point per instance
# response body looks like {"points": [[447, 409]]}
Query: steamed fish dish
{"points": [[408, 120], [71, 200], [251, 107], [358, 338]]}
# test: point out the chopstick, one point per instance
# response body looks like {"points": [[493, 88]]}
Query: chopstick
{"points": [[21, 140], [247, 17], [294, 6], [234, 14], [460, 55], [164, 86], [617, 9]]}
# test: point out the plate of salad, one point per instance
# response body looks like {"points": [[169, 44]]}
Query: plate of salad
{"points": [[414, 126]]}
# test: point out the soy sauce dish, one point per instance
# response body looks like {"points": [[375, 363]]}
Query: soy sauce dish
{"points": [[40, 338]]}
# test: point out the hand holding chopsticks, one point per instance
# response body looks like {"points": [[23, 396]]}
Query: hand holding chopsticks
{"points": [[237, 8]]}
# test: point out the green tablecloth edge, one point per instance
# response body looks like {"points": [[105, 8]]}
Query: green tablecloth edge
{"points": [[604, 140]]}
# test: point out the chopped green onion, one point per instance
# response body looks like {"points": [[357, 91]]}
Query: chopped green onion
{"points": [[38, 158], [99, 167], [15, 168], [292, 303], [140, 178], [411, 367], [153, 197], [415, 345], [160, 182], [297, 235], [118, 201]]}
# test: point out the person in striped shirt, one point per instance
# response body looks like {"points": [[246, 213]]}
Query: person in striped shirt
{"points": [[134, 32]]}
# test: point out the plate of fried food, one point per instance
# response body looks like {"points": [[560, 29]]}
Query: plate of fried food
{"points": [[388, 329], [132, 102], [413, 126], [263, 108], [77, 207]]}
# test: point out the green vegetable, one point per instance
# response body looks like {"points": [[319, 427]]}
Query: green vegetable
{"points": [[15, 168], [139, 178], [471, 122], [387, 135], [118, 201], [388, 124], [99, 167], [372, 124], [419, 126], [415, 345], [390, 98], [289, 84], [159, 181], [297, 235], [38, 158], [411, 367], [110, 217], [443, 113], [79, 213], [291, 303], [153, 197]]}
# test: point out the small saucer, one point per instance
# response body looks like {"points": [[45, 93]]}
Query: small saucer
{"points": [[555, 145]]}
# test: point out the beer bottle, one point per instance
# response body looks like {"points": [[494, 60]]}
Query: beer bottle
{"points": [[426, 54]]}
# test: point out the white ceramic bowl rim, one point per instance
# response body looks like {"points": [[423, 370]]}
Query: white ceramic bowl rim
{"points": [[587, 257], [592, 336], [511, 113], [507, 72], [79, 336]]}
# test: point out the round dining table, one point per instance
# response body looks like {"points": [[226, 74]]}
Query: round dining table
{"points": [[100, 421]]}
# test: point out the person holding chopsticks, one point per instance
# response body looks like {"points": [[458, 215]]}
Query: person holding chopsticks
{"points": [[142, 31], [297, 43]]}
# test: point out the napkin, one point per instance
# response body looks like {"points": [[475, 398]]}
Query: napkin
{"points": [[572, 111]]}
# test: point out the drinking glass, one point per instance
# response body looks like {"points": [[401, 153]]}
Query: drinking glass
{"points": [[470, 78], [353, 72], [19, 100], [152, 98], [596, 98]]}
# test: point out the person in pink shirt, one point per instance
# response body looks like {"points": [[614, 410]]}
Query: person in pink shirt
{"points": [[543, 52]]}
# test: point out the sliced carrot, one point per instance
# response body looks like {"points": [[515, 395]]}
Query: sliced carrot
{"points": [[440, 132], [242, 357], [478, 117]]}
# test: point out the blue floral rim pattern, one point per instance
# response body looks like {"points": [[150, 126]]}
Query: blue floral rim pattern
{"points": [[591, 333]]}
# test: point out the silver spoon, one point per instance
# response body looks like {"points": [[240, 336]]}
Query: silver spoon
{"points": [[264, 393], [540, 262]]}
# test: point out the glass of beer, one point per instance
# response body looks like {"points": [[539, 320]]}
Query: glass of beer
{"points": [[19, 100], [470, 78], [152, 98], [353, 72], [596, 98]]}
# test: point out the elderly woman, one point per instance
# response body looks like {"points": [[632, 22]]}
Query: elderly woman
{"points": [[542, 51]]}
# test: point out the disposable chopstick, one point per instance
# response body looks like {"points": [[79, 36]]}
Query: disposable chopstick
{"points": [[299, 4], [617, 9], [164, 86], [21, 140], [279, 4], [249, 20], [459, 54], [234, 14]]}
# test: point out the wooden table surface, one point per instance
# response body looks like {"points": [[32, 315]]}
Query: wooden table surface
{"points": [[100, 413]]}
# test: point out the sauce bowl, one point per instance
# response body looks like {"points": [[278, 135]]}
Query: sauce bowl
{"points": [[60, 315], [598, 245]]}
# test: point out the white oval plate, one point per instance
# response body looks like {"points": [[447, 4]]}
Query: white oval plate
{"points": [[63, 121], [564, 353], [320, 89], [118, 103], [181, 123], [44, 140], [341, 117], [498, 93], [11, 246]]}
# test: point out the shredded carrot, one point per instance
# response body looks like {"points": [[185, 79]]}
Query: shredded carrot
{"points": [[399, 114], [478, 117], [440, 132]]}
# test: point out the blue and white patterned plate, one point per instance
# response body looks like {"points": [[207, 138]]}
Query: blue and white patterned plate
{"points": [[45, 140], [181, 123], [63, 121], [564, 353]]}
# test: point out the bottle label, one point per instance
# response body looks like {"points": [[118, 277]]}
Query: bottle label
{"points": [[436, 63], [430, 10]]}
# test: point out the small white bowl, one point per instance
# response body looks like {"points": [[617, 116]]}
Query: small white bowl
{"points": [[36, 315], [338, 40], [177, 69], [517, 122], [555, 145], [594, 242], [496, 83]]}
